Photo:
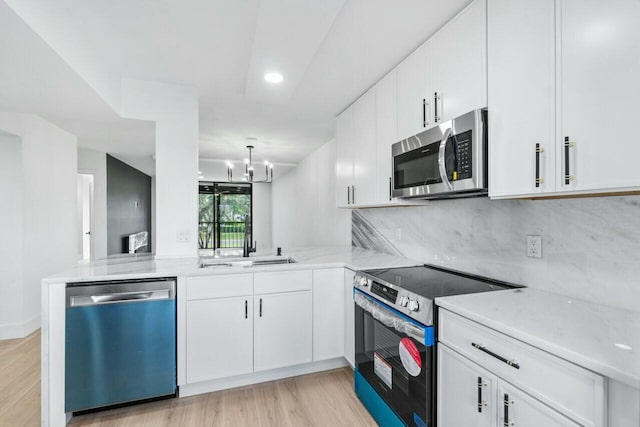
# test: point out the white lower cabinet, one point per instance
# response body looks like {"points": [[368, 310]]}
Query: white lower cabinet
{"points": [[238, 324], [328, 314], [349, 319], [517, 408], [219, 338], [282, 330], [525, 385], [467, 393]]}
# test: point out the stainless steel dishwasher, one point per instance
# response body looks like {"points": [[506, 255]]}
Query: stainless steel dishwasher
{"points": [[120, 342]]}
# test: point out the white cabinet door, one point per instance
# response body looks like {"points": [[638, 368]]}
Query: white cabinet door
{"points": [[349, 319], [219, 338], [415, 92], [521, 39], [600, 63], [364, 156], [344, 157], [387, 134], [466, 392], [328, 313], [523, 410], [459, 63], [282, 330]]}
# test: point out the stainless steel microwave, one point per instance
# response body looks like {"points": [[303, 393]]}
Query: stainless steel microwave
{"points": [[447, 161]]}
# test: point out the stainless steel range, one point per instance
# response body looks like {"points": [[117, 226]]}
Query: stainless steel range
{"points": [[395, 338]]}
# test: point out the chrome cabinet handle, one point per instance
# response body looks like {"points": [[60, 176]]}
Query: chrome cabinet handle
{"points": [[348, 196], [539, 150], [506, 402], [353, 194], [437, 97], [260, 307], [567, 173], [441, 166], [484, 349], [246, 309], [390, 189], [481, 403], [425, 123]]}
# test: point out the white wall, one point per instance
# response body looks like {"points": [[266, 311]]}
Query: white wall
{"points": [[11, 232], [49, 192], [95, 163], [175, 111], [303, 204]]}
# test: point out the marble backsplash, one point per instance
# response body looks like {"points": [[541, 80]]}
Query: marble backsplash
{"points": [[590, 246]]}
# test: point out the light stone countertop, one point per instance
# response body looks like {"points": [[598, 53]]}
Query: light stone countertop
{"points": [[603, 339], [145, 266]]}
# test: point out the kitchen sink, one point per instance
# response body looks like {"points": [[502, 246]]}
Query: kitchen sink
{"points": [[245, 262]]}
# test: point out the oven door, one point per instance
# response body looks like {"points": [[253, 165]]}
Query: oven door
{"points": [[394, 359]]}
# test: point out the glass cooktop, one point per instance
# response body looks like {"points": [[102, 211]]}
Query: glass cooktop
{"points": [[433, 282]]}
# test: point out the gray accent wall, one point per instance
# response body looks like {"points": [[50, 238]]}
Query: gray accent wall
{"points": [[128, 204]]}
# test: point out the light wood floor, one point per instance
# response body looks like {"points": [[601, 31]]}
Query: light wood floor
{"points": [[323, 399]]}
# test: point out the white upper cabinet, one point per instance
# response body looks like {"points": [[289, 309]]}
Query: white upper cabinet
{"points": [[415, 92], [344, 157], [364, 154], [521, 116], [387, 134], [599, 47], [562, 74], [459, 64]]}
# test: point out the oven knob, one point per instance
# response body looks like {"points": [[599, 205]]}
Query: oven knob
{"points": [[368, 283], [413, 305], [404, 301]]}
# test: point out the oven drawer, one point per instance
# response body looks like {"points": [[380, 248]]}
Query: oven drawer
{"points": [[570, 389]]}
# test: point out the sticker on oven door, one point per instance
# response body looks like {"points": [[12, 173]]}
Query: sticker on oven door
{"points": [[382, 369], [410, 357]]}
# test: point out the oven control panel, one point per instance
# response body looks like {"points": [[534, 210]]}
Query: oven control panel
{"points": [[404, 301]]}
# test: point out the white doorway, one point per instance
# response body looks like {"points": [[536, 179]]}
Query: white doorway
{"points": [[85, 217]]}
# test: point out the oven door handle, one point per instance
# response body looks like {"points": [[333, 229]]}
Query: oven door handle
{"points": [[390, 319], [441, 165]]}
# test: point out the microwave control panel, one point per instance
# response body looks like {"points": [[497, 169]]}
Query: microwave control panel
{"points": [[463, 155]]}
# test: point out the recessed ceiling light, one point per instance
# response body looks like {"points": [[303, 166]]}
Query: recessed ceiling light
{"points": [[273, 77]]}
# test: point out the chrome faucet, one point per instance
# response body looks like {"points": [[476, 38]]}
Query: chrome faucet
{"points": [[246, 248]]}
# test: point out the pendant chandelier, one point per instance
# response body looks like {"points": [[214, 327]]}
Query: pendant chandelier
{"points": [[249, 170]]}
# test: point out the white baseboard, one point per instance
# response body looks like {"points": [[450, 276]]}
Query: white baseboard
{"points": [[260, 377], [11, 331]]}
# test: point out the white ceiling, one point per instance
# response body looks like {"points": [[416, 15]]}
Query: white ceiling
{"points": [[329, 51], [34, 79]]}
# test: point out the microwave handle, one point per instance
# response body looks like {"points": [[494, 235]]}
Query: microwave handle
{"points": [[389, 319], [441, 166]]}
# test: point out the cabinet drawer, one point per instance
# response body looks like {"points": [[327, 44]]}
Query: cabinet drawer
{"points": [[232, 285], [282, 281], [568, 388]]}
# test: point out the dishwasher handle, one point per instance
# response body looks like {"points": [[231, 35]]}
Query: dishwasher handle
{"points": [[77, 301], [119, 292]]}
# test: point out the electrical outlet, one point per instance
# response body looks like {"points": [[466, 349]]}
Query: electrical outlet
{"points": [[183, 236], [398, 234], [534, 246]]}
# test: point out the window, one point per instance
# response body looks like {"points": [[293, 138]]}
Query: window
{"points": [[223, 207]]}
